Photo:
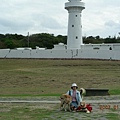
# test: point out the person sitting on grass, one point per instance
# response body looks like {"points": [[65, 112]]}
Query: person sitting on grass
{"points": [[76, 97]]}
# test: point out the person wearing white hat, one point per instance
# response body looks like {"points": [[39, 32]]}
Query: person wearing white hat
{"points": [[76, 97]]}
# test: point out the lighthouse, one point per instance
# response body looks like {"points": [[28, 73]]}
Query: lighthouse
{"points": [[74, 35]]}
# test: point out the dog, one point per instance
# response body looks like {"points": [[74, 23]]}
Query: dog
{"points": [[65, 100], [83, 107], [82, 92]]}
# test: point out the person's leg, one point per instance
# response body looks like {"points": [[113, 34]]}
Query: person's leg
{"points": [[74, 105]]}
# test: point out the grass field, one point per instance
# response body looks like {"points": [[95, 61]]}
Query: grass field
{"points": [[23, 112], [29, 77], [34, 77], [50, 112]]}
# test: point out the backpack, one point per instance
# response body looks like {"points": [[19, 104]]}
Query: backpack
{"points": [[69, 92]]}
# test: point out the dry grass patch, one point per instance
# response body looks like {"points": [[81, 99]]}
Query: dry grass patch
{"points": [[34, 76]]}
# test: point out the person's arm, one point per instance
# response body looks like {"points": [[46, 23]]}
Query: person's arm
{"points": [[79, 99], [67, 92]]}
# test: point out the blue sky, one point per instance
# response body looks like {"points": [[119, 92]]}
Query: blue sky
{"points": [[100, 17]]}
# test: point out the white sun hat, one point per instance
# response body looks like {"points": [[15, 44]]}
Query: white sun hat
{"points": [[74, 85]]}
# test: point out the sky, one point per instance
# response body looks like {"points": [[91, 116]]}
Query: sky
{"points": [[100, 17]]}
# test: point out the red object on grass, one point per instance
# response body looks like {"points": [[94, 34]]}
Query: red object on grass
{"points": [[88, 106]]}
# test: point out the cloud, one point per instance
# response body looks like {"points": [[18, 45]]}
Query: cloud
{"points": [[12, 23], [28, 15], [98, 14], [50, 23], [21, 16], [113, 24]]}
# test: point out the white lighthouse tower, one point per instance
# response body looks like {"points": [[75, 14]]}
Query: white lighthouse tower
{"points": [[74, 40]]}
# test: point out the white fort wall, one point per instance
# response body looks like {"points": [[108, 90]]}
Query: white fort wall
{"points": [[76, 53]]}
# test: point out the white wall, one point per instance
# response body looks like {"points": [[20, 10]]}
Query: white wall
{"points": [[100, 46], [65, 53], [76, 53], [4, 52]]}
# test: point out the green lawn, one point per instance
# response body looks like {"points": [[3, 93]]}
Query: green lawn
{"points": [[26, 111], [35, 112], [34, 77]]}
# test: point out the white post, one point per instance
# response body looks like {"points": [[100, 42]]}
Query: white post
{"points": [[74, 40]]}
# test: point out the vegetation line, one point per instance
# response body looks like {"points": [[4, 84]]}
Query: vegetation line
{"points": [[45, 40]]}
